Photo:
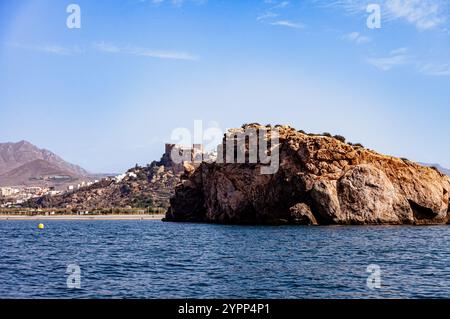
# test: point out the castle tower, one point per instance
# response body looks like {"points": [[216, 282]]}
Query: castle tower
{"points": [[197, 153]]}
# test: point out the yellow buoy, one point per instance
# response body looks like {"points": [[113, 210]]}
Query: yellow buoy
{"points": [[41, 226]]}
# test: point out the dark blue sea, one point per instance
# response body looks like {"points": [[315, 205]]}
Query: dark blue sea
{"points": [[152, 259]]}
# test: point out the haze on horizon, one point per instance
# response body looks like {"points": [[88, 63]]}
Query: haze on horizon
{"points": [[108, 95]]}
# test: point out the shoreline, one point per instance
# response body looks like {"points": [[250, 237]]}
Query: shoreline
{"points": [[83, 217]]}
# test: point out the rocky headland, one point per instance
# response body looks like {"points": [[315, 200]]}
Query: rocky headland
{"points": [[321, 180]]}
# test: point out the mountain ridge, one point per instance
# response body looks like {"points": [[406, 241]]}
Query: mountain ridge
{"points": [[23, 164]]}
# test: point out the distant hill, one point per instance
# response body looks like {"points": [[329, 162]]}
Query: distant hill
{"points": [[439, 167], [24, 164]]}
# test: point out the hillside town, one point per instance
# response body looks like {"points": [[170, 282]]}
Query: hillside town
{"points": [[150, 186], [17, 196]]}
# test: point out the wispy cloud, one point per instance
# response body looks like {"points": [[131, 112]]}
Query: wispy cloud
{"points": [[280, 5], [144, 52], [399, 51], [105, 47], [350, 6], [48, 48], [289, 24], [274, 11], [435, 70], [266, 15], [175, 3], [395, 58], [423, 14], [357, 38], [401, 56]]}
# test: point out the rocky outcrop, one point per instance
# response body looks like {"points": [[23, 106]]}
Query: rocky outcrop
{"points": [[320, 180], [302, 214]]}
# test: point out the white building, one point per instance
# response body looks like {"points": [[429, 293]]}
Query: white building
{"points": [[119, 178], [8, 191]]}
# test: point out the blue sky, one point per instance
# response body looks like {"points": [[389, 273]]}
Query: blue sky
{"points": [[108, 95]]}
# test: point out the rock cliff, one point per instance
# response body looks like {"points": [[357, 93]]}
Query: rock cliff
{"points": [[321, 180]]}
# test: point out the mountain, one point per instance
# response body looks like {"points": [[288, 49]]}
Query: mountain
{"points": [[23, 164], [36, 172]]}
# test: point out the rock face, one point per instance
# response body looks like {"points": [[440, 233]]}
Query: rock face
{"points": [[320, 180]]}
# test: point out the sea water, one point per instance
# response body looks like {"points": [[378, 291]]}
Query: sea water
{"points": [[152, 259]]}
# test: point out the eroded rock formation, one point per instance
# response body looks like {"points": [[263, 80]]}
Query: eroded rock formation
{"points": [[320, 180]]}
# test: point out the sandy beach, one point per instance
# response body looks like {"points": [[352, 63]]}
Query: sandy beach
{"points": [[82, 217]]}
